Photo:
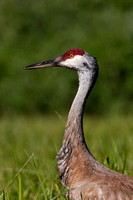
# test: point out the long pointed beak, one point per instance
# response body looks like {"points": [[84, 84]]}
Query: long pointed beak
{"points": [[48, 63]]}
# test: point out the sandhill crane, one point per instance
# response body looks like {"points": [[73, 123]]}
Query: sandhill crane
{"points": [[83, 176]]}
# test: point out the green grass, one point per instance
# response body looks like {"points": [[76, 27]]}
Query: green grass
{"points": [[28, 145]]}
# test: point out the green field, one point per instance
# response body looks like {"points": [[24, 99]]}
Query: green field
{"points": [[28, 146]]}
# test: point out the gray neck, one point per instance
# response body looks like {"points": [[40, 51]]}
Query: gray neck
{"points": [[77, 108], [75, 117]]}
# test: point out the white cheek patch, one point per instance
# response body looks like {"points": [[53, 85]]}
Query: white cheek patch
{"points": [[73, 62]]}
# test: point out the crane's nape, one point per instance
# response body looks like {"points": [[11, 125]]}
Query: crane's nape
{"points": [[83, 176]]}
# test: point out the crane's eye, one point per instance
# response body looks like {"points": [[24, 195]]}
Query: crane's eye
{"points": [[71, 55]]}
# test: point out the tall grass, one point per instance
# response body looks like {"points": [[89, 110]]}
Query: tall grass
{"points": [[28, 146]]}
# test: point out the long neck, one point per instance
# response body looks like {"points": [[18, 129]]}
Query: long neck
{"points": [[76, 111], [75, 117], [74, 137]]}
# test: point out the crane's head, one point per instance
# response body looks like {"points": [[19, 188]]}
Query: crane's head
{"points": [[76, 59]]}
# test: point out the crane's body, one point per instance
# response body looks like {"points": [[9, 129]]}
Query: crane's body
{"points": [[83, 176]]}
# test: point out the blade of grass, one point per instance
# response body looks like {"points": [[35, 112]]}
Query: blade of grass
{"points": [[4, 198], [62, 193], [20, 187], [124, 165]]}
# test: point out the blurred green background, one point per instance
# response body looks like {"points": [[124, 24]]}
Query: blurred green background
{"points": [[34, 104], [32, 31]]}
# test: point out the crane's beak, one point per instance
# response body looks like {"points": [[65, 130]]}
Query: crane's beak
{"points": [[48, 63]]}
